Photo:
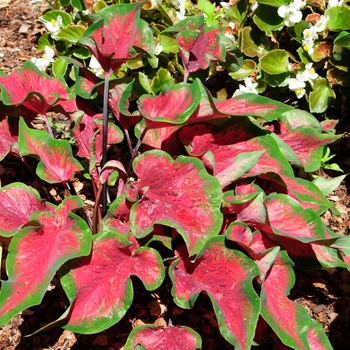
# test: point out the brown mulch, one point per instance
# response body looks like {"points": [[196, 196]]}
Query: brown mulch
{"points": [[325, 294]]}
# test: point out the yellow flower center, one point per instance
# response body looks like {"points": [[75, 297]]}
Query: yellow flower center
{"points": [[44, 57], [299, 91], [312, 70], [54, 22], [251, 1], [306, 47], [187, 4]]}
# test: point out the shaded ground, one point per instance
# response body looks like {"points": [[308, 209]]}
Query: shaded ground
{"points": [[324, 294]]}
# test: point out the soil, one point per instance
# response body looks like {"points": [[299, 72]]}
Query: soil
{"points": [[325, 294]]}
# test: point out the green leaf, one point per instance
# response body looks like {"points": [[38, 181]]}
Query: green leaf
{"points": [[327, 186], [274, 62], [343, 40], [162, 80], [338, 18], [267, 19], [322, 96], [246, 70], [52, 16], [168, 44], [59, 67], [71, 34]]}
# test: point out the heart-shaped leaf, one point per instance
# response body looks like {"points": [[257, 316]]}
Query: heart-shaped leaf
{"points": [[57, 163], [237, 306], [174, 105], [99, 286], [114, 39], [36, 253], [18, 202], [289, 320], [201, 138], [189, 201], [33, 89], [170, 338]]}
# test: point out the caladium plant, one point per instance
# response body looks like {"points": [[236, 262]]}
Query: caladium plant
{"points": [[203, 195]]}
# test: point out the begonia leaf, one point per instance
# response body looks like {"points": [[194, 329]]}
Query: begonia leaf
{"points": [[114, 39], [338, 18], [289, 320], [170, 338], [267, 19], [18, 202], [274, 62], [36, 253], [32, 88], [189, 201], [215, 268], [57, 163], [99, 286], [321, 97]]}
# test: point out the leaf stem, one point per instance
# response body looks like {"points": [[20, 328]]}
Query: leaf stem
{"points": [[105, 139], [49, 129]]}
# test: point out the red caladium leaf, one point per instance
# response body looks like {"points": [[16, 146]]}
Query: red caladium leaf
{"points": [[6, 138], [118, 101], [172, 106], [117, 37], [312, 256], [57, 163], [164, 138], [242, 105], [200, 47], [305, 192], [33, 89], [226, 276], [160, 338], [189, 201], [289, 320], [227, 143], [99, 286], [18, 203], [289, 219], [36, 253]]}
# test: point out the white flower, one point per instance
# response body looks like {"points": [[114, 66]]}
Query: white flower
{"points": [[299, 4], [253, 5], [96, 67], [297, 85], [32, 2], [321, 24], [53, 26], [308, 45], [47, 58], [310, 33], [248, 87], [309, 73], [337, 52], [225, 5], [334, 3], [290, 14], [182, 5]]}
